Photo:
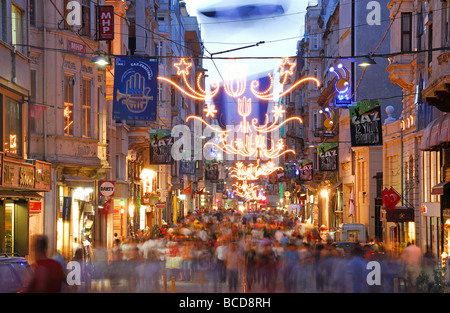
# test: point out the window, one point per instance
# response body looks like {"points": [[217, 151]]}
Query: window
{"points": [[430, 43], [406, 31], [13, 127], [17, 28], [160, 52], [419, 29], [3, 20], [315, 120], [86, 118], [33, 97], [431, 175], [86, 18], [68, 105], [32, 11], [316, 41], [98, 131]]}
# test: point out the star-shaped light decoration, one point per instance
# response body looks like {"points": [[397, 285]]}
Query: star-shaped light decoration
{"points": [[183, 67], [287, 68], [210, 110], [278, 111]]}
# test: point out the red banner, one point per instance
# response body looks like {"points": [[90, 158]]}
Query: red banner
{"points": [[105, 19]]}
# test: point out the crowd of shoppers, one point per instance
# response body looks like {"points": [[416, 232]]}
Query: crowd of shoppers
{"points": [[227, 251], [261, 251]]}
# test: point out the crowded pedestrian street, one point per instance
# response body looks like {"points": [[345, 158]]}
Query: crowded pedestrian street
{"points": [[216, 251], [273, 147]]}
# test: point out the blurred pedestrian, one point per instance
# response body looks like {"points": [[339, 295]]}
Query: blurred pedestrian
{"points": [[412, 258], [233, 261], [49, 275]]}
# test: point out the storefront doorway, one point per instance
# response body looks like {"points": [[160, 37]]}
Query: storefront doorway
{"points": [[14, 227]]}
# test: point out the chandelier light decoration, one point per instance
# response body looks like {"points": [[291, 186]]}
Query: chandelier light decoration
{"points": [[253, 172], [251, 137], [248, 191]]}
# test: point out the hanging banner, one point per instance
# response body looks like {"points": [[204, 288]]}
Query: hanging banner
{"points": [[328, 156], [67, 206], [105, 22], [187, 167], [212, 171], [305, 168], [135, 89], [289, 171], [365, 123], [161, 142]]}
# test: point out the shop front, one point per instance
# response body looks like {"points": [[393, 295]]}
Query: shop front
{"points": [[435, 204], [21, 184], [76, 214]]}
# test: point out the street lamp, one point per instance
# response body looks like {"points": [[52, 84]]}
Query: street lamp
{"points": [[366, 61], [100, 59]]}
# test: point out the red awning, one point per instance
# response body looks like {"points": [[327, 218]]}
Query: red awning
{"points": [[436, 133], [439, 188]]}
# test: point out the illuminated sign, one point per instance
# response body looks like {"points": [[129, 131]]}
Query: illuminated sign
{"points": [[342, 86]]}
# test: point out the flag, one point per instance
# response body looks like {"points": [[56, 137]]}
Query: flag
{"points": [[351, 203], [108, 207], [188, 190]]}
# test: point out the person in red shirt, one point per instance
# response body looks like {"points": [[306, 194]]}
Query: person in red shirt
{"points": [[49, 275]]}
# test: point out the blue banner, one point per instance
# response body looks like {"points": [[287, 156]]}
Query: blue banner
{"points": [[135, 89]]}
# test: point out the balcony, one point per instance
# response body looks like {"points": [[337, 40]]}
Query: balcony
{"points": [[401, 70]]}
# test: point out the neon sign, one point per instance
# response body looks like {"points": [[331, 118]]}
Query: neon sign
{"points": [[342, 85]]}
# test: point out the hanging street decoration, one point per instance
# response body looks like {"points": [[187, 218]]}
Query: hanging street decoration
{"points": [[253, 140], [328, 123], [135, 89], [328, 156], [365, 124], [342, 86]]}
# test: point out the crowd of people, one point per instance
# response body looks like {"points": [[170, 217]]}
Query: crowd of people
{"points": [[227, 251]]}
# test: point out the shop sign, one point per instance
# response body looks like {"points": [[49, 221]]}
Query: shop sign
{"points": [[105, 19], [107, 188], [400, 214], [34, 207], [42, 180], [76, 47], [23, 175], [19, 175]]}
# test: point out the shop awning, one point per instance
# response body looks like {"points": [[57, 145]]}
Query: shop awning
{"points": [[77, 181], [436, 134], [31, 195], [439, 188], [10, 194], [20, 194]]}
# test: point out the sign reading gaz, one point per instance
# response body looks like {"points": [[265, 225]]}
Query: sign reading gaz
{"points": [[107, 188]]}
